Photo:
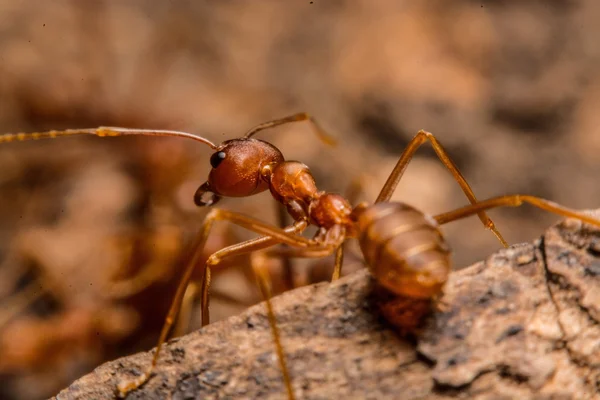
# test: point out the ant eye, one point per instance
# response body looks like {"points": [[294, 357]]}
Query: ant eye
{"points": [[216, 158]]}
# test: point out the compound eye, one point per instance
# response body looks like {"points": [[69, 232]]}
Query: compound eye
{"points": [[217, 158]]}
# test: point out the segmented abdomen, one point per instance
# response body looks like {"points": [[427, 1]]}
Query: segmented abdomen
{"points": [[404, 249]]}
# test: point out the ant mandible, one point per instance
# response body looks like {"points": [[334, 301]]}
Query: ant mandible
{"points": [[402, 246]]}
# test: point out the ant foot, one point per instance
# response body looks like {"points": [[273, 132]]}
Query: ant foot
{"points": [[125, 387]]}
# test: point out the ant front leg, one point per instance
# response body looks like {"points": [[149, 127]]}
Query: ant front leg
{"points": [[392, 181], [273, 235], [514, 200]]}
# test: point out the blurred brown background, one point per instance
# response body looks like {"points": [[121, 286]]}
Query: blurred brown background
{"points": [[93, 231]]}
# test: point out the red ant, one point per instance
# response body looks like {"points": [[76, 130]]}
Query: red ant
{"points": [[402, 246]]}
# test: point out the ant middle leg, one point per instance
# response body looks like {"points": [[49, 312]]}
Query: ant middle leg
{"points": [[264, 283], [515, 200], [251, 246], [420, 138], [185, 312], [313, 253], [262, 276], [248, 246]]}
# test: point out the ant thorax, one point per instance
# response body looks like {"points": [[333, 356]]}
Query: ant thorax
{"points": [[291, 181]]}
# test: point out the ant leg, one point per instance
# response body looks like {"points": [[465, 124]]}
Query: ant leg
{"points": [[323, 136], [248, 247], [187, 305], [308, 253], [415, 143], [185, 313], [274, 235], [354, 191], [339, 260], [264, 283], [314, 253], [514, 201]]}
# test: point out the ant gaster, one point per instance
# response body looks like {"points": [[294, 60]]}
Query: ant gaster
{"points": [[402, 246]]}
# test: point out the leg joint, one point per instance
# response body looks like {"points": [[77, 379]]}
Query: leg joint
{"points": [[213, 260], [213, 214], [425, 133]]}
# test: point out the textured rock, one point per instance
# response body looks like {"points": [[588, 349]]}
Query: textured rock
{"points": [[525, 323]]}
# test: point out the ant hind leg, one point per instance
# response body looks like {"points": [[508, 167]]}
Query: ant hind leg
{"points": [[420, 138], [515, 200]]}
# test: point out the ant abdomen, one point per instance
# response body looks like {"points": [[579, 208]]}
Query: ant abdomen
{"points": [[404, 249]]}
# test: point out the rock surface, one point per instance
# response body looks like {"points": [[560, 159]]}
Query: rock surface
{"points": [[524, 323]]}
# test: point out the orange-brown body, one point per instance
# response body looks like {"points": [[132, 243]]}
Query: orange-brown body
{"points": [[403, 247]]}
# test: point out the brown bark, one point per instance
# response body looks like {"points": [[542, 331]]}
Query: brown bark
{"points": [[525, 323]]}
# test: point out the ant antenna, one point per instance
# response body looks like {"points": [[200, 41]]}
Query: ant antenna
{"points": [[102, 131], [325, 138]]}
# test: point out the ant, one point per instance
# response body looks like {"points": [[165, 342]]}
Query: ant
{"points": [[402, 246]]}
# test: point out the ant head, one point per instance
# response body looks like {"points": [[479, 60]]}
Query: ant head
{"points": [[237, 170]]}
